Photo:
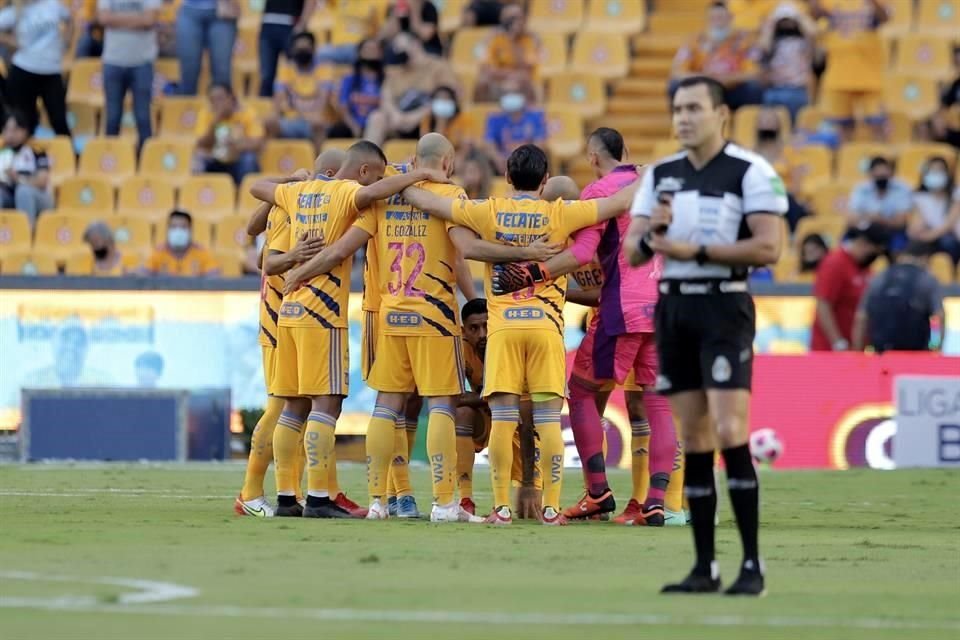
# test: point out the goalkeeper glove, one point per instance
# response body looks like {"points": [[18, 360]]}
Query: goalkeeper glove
{"points": [[514, 276]]}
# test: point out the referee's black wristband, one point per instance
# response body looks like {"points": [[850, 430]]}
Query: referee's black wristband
{"points": [[644, 247]]}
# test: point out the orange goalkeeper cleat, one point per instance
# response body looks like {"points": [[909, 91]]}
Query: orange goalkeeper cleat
{"points": [[348, 505], [630, 514], [588, 507]]}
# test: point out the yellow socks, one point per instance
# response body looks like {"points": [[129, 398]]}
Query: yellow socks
{"points": [[261, 449], [286, 438], [319, 442], [398, 484], [640, 458], [465, 457], [442, 452], [380, 439], [547, 423], [673, 499], [504, 425]]}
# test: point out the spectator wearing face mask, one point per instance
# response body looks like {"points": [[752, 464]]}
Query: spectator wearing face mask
{"points": [[772, 146], [518, 123], [883, 200], [787, 44], [936, 205], [280, 20], [180, 256], [724, 54], [813, 250], [107, 259], [301, 94], [513, 53], [446, 118], [360, 92]]}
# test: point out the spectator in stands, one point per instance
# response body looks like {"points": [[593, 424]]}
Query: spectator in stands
{"points": [[723, 53], [210, 25], [884, 200], [90, 42], [475, 176], [896, 310], [129, 51], [42, 29], [281, 19], [24, 171], [107, 259], [360, 92], [180, 256], [936, 209], [813, 249], [771, 145], [853, 80], [420, 19], [447, 118], [482, 13], [787, 45], [839, 284], [945, 123], [513, 53], [406, 92], [518, 123], [301, 94], [229, 136]]}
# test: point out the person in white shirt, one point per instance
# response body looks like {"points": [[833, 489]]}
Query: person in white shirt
{"points": [[24, 171], [936, 206]]}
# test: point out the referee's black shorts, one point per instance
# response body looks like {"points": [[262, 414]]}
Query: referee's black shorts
{"points": [[705, 341]]}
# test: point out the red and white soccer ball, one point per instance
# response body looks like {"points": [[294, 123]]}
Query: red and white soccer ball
{"points": [[765, 446]]}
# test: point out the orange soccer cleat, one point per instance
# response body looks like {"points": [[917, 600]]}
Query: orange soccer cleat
{"points": [[588, 506]]}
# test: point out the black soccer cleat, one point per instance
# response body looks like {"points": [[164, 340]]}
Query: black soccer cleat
{"points": [[750, 582], [288, 511], [327, 510], [694, 583]]}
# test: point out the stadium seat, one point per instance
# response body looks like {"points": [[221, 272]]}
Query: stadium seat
{"points": [[112, 159], [479, 112], [202, 232], [63, 160], [145, 197], [28, 263], [745, 125], [451, 14], [245, 50], [832, 200], [286, 156], [211, 196], [579, 93], [230, 264], [924, 55], [468, 49], [83, 119], [555, 16], [941, 266], [809, 118], [553, 54], [246, 203], [349, 29], [899, 19], [499, 188], [132, 234], [602, 54], [785, 270], [664, 148], [400, 150], [832, 230], [898, 127], [86, 192], [915, 155], [880, 265], [915, 96], [230, 235], [251, 13], [339, 143], [853, 159], [938, 17], [165, 71], [564, 133], [810, 165], [15, 231], [263, 107], [166, 158], [59, 234], [79, 263], [178, 116], [85, 85], [616, 16]]}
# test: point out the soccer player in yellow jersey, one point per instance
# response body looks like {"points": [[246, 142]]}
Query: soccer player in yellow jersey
{"points": [[525, 349], [312, 357]]}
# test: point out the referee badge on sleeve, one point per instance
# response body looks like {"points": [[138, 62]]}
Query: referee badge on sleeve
{"points": [[721, 370]]}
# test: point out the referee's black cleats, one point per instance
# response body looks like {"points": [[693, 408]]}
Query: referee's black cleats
{"points": [[750, 582], [694, 583]]}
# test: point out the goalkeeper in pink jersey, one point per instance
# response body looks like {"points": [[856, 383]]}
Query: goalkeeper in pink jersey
{"points": [[619, 340]]}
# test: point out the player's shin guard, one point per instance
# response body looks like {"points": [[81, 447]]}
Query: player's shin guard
{"points": [[702, 495], [547, 423], [261, 449], [588, 435], [319, 442], [442, 452], [640, 458], [380, 439], [286, 440], [745, 498], [465, 458], [503, 425], [663, 445], [398, 484], [673, 500]]}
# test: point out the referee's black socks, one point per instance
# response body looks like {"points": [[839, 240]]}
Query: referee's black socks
{"points": [[701, 493], [745, 498]]}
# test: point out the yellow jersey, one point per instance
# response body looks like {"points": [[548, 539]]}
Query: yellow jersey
{"points": [[271, 287], [304, 91], [855, 49], [197, 261], [328, 206], [371, 264], [242, 123], [519, 221], [127, 264], [416, 260]]}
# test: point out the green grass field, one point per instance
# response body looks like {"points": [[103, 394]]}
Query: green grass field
{"points": [[850, 555]]}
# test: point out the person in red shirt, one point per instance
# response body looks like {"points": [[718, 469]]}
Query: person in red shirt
{"points": [[840, 283]]}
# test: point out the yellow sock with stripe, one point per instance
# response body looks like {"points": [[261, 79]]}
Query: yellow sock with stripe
{"points": [[504, 424], [547, 424], [380, 439], [465, 458], [398, 483], [286, 440], [673, 498], [319, 442], [261, 449], [640, 459], [442, 452], [411, 437]]}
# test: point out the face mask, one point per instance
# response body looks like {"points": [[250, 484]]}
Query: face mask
{"points": [[512, 102], [809, 265], [443, 108], [303, 57], [374, 64], [401, 57], [178, 238], [767, 135], [718, 34], [101, 253], [935, 180], [785, 29], [882, 183]]}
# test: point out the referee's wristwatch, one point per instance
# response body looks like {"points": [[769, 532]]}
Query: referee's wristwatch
{"points": [[701, 255]]}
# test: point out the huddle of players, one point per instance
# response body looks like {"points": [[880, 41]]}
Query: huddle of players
{"points": [[416, 241]]}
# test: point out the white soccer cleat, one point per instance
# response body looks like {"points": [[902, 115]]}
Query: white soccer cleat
{"points": [[452, 512], [257, 507], [377, 511]]}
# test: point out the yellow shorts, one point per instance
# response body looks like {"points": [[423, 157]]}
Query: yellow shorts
{"points": [[269, 366], [845, 105], [525, 360], [368, 342], [312, 362], [431, 365]]}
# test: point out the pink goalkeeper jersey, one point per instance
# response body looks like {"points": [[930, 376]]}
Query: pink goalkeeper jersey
{"points": [[628, 295]]}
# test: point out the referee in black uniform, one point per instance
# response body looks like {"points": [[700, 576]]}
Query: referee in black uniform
{"points": [[712, 211]]}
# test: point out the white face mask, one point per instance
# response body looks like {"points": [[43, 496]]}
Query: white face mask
{"points": [[718, 34], [178, 238], [512, 102], [935, 180], [443, 108]]}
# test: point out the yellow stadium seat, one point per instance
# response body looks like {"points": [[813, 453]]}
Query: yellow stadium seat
{"points": [[83, 118], [286, 156], [230, 234], [86, 192], [202, 232], [676, 23], [245, 50], [167, 158], [499, 188], [898, 128], [853, 159], [349, 30], [745, 124], [145, 197], [555, 16], [165, 71], [132, 234], [469, 49], [938, 16], [601, 54], [230, 263], [86, 82], [564, 133], [451, 14], [810, 165], [917, 97], [580, 93], [831, 228], [112, 159], [178, 116], [832, 200], [79, 263], [479, 112], [263, 107], [553, 54], [786, 268], [924, 55], [400, 150], [809, 118], [246, 203], [28, 264], [664, 148], [63, 160], [59, 234], [251, 13], [913, 157], [616, 16], [941, 266], [339, 143], [211, 196], [14, 231], [880, 265], [899, 19], [239, 76]]}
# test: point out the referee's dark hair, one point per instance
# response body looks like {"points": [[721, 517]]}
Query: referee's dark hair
{"points": [[527, 167], [718, 96], [472, 308], [610, 140]]}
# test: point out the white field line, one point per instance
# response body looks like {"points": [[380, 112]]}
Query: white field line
{"points": [[152, 496], [147, 591]]}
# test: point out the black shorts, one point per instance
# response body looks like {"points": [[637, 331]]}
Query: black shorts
{"points": [[705, 341]]}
